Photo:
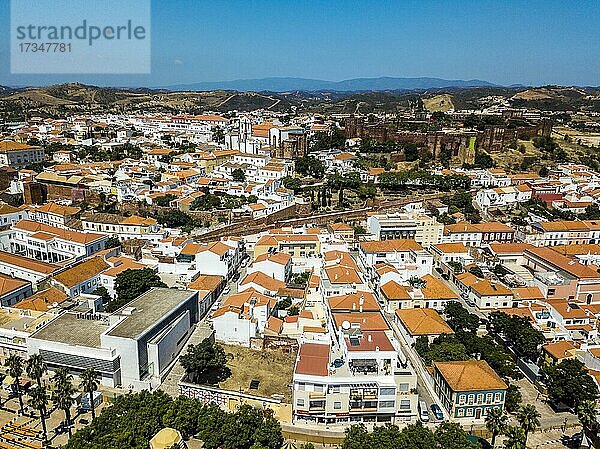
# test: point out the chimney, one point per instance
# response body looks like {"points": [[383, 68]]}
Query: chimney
{"points": [[370, 338], [568, 308]]}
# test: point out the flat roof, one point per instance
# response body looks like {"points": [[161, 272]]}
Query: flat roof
{"points": [[150, 308], [71, 330]]}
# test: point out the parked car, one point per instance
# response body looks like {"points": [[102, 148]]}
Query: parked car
{"points": [[423, 412], [226, 290], [437, 412]]}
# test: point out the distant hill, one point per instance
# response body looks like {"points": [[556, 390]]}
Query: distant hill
{"points": [[314, 85], [76, 98]]}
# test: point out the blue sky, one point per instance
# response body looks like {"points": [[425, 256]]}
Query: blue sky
{"points": [[506, 42]]}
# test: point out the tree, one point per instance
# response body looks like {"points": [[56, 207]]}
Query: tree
{"points": [[452, 436], [587, 414], [568, 382], [36, 367], [103, 293], [238, 175], [205, 362], [183, 415], [63, 394], [529, 419], [132, 283], [459, 318], [89, 384], [112, 242], [495, 422], [15, 370], [174, 219], [513, 399], [268, 434], [38, 399], [309, 166], [163, 200], [515, 438]]}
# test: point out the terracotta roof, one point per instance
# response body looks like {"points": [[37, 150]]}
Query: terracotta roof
{"points": [[81, 272], [436, 289], [124, 263], [371, 341], [388, 246], [64, 234], [564, 263], [528, 293], [58, 209], [27, 263], [278, 258], [368, 321], [482, 287], [342, 275], [275, 324], [11, 145], [261, 279], [423, 322], [313, 360], [459, 248], [560, 349], [206, 282], [392, 290], [136, 220], [354, 301], [340, 227], [470, 375], [563, 225], [9, 284], [42, 301], [566, 309], [577, 250]]}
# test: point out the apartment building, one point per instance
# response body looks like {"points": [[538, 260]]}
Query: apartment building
{"points": [[51, 244], [19, 155], [53, 214], [422, 228], [364, 378], [125, 228], [468, 389]]}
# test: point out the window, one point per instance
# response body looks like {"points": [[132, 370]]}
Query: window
{"points": [[300, 402], [461, 399], [301, 386], [392, 391], [498, 397], [386, 404], [471, 399], [404, 404], [461, 412], [319, 388], [337, 405], [488, 398], [336, 389], [469, 412]]}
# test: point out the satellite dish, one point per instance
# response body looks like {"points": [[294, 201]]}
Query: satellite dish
{"points": [[346, 325]]}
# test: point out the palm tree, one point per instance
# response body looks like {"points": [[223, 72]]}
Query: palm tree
{"points": [[39, 401], [36, 367], [586, 412], [89, 384], [495, 421], [15, 370], [515, 438], [529, 418], [63, 395]]}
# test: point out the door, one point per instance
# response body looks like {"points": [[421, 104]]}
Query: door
{"points": [[477, 413]]}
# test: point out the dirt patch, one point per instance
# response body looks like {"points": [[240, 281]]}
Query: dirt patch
{"points": [[439, 103], [272, 369]]}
